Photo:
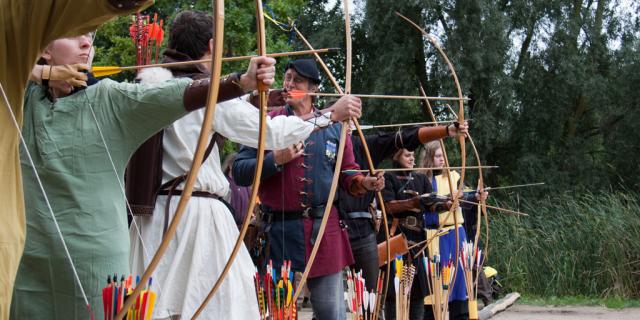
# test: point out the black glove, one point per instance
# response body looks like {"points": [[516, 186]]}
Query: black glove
{"points": [[471, 197], [434, 203]]}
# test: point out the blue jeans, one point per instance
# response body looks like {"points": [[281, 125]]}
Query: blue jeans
{"points": [[327, 297]]}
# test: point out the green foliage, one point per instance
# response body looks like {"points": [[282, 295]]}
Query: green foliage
{"points": [[551, 89], [570, 245], [554, 88], [553, 83], [115, 47], [612, 303]]}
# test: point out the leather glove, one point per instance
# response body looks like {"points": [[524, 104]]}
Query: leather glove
{"points": [[399, 206], [71, 73]]}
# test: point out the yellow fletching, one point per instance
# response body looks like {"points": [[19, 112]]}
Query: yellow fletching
{"points": [[150, 304], [99, 71]]}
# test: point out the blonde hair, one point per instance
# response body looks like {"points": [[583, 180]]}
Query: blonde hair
{"points": [[426, 157]]}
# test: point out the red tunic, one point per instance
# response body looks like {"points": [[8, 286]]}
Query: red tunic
{"points": [[304, 182]]}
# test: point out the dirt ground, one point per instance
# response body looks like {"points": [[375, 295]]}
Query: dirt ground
{"points": [[528, 312]]}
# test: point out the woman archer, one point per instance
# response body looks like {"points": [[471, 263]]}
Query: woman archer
{"points": [[441, 220], [402, 200]]}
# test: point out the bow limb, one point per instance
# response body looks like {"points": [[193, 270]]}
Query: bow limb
{"points": [[450, 182], [203, 141], [337, 169], [481, 208], [482, 203], [461, 139], [367, 154], [263, 91]]}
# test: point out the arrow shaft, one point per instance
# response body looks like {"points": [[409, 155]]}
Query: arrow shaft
{"points": [[518, 213], [365, 127], [382, 96], [230, 59], [425, 169], [516, 186]]}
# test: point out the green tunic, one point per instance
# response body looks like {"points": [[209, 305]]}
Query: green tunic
{"points": [[79, 180]]}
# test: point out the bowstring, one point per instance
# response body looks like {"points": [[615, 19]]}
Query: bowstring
{"points": [[113, 167], [48, 203]]}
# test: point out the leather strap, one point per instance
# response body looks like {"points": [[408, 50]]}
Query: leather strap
{"points": [[394, 226], [201, 194], [169, 188], [177, 180], [171, 192]]}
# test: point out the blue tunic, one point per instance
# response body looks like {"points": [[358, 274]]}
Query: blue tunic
{"points": [[447, 245]]}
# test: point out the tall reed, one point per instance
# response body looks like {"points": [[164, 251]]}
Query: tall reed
{"points": [[571, 244]]}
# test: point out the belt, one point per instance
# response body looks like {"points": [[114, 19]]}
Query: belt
{"points": [[359, 215], [411, 223], [176, 192], [316, 213], [201, 194], [310, 212]]}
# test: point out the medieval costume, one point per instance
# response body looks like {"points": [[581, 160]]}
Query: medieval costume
{"points": [[401, 201], [355, 210], [445, 245], [207, 233], [26, 27], [78, 172], [293, 198]]}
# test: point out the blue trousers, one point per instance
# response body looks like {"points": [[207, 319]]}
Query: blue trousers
{"points": [[327, 297]]}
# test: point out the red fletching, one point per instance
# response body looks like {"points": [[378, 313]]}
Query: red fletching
{"points": [[153, 31], [296, 94], [160, 37]]}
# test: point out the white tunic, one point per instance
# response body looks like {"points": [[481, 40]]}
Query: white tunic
{"points": [[207, 232]]}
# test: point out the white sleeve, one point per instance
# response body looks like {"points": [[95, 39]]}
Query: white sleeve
{"points": [[238, 120]]}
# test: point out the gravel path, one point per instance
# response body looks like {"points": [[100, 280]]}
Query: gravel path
{"points": [[528, 312]]}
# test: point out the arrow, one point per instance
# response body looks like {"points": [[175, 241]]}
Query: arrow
{"points": [[103, 71], [516, 186], [380, 126], [425, 169], [298, 94], [517, 213]]}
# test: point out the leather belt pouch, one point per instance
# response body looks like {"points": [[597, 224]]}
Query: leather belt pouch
{"points": [[398, 246]]}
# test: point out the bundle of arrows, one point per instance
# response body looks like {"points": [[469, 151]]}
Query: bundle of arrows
{"points": [[362, 302], [402, 282], [275, 291], [439, 276], [471, 259], [115, 294], [147, 37]]}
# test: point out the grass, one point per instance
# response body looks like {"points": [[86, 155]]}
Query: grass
{"points": [[612, 303], [571, 245]]}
